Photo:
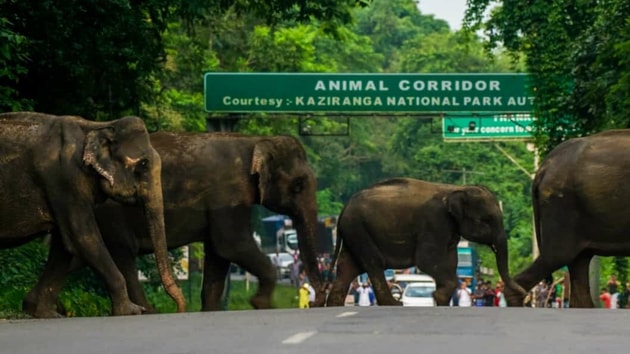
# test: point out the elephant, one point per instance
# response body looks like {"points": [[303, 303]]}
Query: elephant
{"points": [[211, 182], [580, 197], [402, 222], [55, 170]]}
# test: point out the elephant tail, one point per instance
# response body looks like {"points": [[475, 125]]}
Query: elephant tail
{"points": [[338, 244]]}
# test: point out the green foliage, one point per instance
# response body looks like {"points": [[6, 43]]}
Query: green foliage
{"points": [[326, 203], [576, 53], [240, 292]]}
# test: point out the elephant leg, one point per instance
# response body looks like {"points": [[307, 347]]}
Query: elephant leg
{"points": [[382, 292], [580, 289], [215, 272], [442, 267], [126, 263], [89, 245], [41, 301], [247, 255], [232, 241], [347, 270]]}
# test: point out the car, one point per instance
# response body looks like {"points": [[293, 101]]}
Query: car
{"points": [[417, 289], [283, 262]]}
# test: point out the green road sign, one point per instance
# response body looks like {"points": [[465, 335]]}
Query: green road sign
{"points": [[364, 93], [500, 126]]}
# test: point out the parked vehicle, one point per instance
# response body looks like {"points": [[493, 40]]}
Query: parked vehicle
{"points": [[419, 294], [417, 289]]}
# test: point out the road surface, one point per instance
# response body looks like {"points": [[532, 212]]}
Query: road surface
{"points": [[361, 330]]}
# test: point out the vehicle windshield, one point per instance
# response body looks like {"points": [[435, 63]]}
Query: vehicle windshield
{"points": [[419, 291], [292, 241]]}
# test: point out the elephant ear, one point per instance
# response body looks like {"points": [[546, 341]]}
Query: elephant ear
{"points": [[97, 154], [261, 164], [455, 204]]}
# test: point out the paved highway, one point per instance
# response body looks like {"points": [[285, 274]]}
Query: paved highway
{"points": [[329, 330]]}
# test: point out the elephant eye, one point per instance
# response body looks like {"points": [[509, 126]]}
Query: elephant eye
{"points": [[142, 166], [297, 186]]}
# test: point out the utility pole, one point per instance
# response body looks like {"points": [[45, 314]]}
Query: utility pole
{"points": [[531, 175]]}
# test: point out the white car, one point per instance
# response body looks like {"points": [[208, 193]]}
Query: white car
{"points": [[419, 292]]}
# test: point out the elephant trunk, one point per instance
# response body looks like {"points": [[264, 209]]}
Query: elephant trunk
{"points": [[154, 213], [306, 226], [501, 253]]}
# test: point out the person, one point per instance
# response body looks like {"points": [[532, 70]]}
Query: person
{"points": [[613, 285], [613, 289], [604, 297], [364, 294], [541, 291], [303, 296], [498, 295], [354, 287], [311, 295], [488, 294], [464, 297], [479, 293]]}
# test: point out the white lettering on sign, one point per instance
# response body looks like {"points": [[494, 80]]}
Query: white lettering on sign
{"points": [[252, 101], [351, 85], [449, 85], [324, 101]]}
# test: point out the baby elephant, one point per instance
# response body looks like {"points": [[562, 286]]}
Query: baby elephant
{"points": [[404, 222]]}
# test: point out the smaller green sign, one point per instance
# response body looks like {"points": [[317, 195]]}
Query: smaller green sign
{"points": [[493, 127]]}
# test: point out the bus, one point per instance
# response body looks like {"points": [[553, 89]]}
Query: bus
{"points": [[467, 264]]}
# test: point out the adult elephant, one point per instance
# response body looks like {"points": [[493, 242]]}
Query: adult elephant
{"points": [[581, 198], [211, 183], [404, 222], [54, 171]]}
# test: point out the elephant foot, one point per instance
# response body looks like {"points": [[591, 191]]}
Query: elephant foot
{"points": [[41, 310], [128, 308], [260, 302], [45, 314], [335, 300], [150, 310], [393, 302], [513, 298]]}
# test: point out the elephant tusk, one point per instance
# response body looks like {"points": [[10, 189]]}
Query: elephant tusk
{"points": [[130, 162]]}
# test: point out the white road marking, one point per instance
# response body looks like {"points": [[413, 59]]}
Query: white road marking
{"points": [[299, 337], [346, 314]]}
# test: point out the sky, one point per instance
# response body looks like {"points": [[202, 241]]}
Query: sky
{"points": [[450, 10]]}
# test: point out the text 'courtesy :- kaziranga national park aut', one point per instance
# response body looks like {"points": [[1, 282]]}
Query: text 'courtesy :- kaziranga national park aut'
{"points": [[299, 92]]}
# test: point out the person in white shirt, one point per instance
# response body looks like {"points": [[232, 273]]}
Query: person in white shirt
{"points": [[464, 296], [364, 295]]}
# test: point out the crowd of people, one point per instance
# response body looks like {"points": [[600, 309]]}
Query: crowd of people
{"points": [[484, 294], [615, 295], [548, 293]]}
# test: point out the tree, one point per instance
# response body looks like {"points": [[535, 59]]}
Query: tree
{"points": [[99, 59], [575, 53]]}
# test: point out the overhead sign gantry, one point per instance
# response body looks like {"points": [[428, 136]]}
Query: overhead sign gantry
{"points": [[367, 93]]}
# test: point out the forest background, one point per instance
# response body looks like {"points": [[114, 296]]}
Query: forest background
{"points": [[105, 59]]}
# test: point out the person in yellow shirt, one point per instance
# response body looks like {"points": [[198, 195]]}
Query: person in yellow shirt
{"points": [[303, 293]]}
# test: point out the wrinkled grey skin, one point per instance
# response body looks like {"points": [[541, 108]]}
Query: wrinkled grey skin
{"points": [[211, 183], [54, 171], [581, 198], [404, 222]]}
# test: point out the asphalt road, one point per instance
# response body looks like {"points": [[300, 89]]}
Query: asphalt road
{"points": [[361, 330]]}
